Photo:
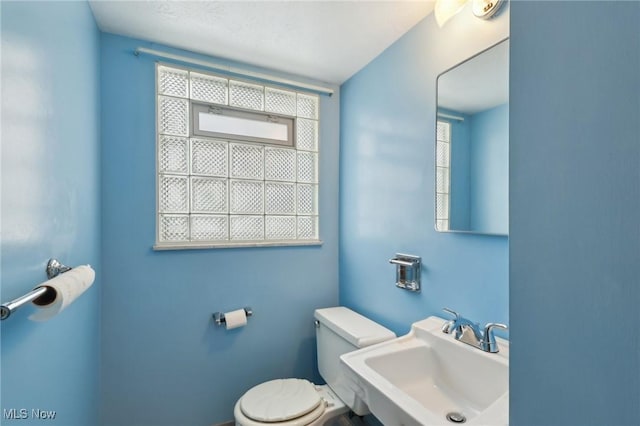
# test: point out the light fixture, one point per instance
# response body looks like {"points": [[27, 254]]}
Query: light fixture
{"points": [[486, 9], [446, 9]]}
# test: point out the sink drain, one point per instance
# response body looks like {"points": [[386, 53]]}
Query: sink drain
{"points": [[456, 417]]}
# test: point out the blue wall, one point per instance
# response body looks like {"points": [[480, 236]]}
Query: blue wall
{"points": [[459, 207], [164, 361], [50, 205], [575, 204], [480, 171], [489, 171], [388, 116]]}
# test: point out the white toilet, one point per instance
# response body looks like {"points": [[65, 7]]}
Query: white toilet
{"points": [[298, 402]]}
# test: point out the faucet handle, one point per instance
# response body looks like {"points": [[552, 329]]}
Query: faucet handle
{"points": [[450, 325], [489, 343], [452, 312]]}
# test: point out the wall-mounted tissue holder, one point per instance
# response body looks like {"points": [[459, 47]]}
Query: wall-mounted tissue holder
{"points": [[55, 268], [51, 296], [407, 271], [220, 319]]}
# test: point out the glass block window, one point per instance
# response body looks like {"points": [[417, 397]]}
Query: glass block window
{"points": [[230, 187], [443, 174]]}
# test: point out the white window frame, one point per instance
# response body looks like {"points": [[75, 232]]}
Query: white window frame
{"points": [[307, 155]]}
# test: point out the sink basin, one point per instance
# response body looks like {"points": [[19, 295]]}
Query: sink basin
{"points": [[420, 378]]}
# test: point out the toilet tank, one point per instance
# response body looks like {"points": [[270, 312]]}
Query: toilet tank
{"points": [[340, 330]]}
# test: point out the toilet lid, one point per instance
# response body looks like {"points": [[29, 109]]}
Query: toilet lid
{"points": [[280, 400]]}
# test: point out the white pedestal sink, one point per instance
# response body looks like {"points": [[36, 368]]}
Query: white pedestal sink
{"points": [[420, 378]]}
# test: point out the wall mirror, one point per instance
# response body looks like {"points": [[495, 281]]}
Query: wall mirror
{"points": [[472, 145]]}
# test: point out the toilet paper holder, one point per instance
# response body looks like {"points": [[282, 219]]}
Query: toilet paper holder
{"points": [[54, 268], [218, 317]]}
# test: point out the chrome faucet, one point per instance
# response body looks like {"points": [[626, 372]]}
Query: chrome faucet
{"points": [[468, 332]]}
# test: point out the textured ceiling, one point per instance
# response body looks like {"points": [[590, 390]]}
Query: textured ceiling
{"points": [[325, 40]]}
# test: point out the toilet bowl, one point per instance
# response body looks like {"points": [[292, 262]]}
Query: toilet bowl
{"points": [[288, 402], [298, 402]]}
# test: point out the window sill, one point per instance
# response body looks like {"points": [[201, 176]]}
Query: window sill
{"points": [[227, 244]]}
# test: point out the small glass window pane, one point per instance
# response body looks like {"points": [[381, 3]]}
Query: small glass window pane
{"points": [[307, 138], [173, 116], [208, 195], [307, 227], [174, 228], [246, 95], [242, 127], [247, 228], [442, 206], [307, 199], [226, 123], [174, 194], [209, 157], [209, 228], [280, 101], [443, 130], [442, 180], [173, 154], [247, 197], [280, 227], [209, 88], [247, 161], [442, 225], [280, 164], [442, 154], [280, 198], [173, 82], [307, 167], [307, 106]]}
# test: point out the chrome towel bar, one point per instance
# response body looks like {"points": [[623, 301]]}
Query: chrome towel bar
{"points": [[54, 268], [7, 308]]}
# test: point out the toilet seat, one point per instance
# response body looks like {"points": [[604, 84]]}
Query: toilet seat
{"points": [[282, 402]]}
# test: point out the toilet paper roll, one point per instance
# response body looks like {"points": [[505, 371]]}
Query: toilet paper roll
{"points": [[62, 291], [235, 319]]}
